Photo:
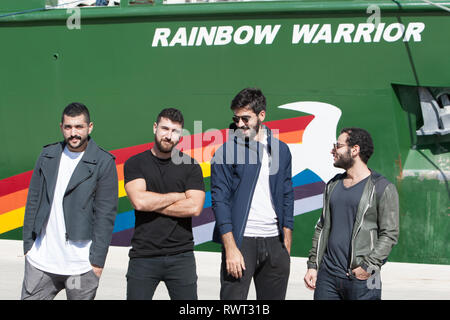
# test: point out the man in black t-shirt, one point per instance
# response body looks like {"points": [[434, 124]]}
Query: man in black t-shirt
{"points": [[165, 195]]}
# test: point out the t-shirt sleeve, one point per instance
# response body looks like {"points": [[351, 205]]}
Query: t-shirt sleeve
{"points": [[132, 170], [195, 178]]}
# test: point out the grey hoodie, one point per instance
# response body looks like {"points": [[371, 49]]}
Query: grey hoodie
{"points": [[375, 230]]}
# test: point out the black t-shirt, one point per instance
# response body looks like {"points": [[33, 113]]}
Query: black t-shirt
{"points": [[344, 204], [156, 234]]}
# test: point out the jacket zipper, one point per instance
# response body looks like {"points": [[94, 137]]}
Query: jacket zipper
{"points": [[320, 234], [318, 247], [371, 240], [42, 181], [360, 224], [255, 179]]}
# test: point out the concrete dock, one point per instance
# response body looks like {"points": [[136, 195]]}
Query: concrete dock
{"points": [[401, 281]]}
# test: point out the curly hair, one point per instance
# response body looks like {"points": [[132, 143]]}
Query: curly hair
{"points": [[251, 98], [362, 138]]}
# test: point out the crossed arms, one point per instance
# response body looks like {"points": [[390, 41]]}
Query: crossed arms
{"points": [[174, 204]]}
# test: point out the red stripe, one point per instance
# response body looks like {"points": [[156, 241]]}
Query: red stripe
{"points": [[124, 154], [287, 125], [15, 183]]}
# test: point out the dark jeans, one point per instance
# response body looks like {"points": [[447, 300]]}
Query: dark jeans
{"points": [[331, 287], [267, 262], [177, 271]]}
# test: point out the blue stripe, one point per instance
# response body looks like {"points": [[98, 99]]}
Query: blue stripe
{"points": [[305, 177], [124, 220], [207, 199]]}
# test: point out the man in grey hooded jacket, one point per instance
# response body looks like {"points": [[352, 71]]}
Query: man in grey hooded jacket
{"points": [[358, 227]]}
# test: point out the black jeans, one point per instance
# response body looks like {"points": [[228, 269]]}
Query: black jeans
{"points": [[267, 262], [177, 271], [331, 287]]}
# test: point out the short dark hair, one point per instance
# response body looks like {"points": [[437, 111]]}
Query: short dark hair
{"points": [[172, 114], [74, 109], [251, 98], [362, 138]]}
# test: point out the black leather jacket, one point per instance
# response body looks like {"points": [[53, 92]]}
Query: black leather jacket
{"points": [[90, 201]]}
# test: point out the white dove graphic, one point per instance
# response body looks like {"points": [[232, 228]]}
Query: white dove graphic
{"points": [[318, 138]]}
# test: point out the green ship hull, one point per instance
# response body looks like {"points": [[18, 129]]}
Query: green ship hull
{"points": [[322, 66]]}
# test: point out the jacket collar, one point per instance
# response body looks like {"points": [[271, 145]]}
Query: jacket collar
{"points": [[374, 176], [90, 153], [85, 168]]}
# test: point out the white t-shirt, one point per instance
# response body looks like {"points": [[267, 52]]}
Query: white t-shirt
{"points": [[262, 219], [51, 252]]}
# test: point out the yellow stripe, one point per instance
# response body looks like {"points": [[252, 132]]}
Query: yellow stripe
{"points": [[12, 220], [206, 169], [122, 192]]}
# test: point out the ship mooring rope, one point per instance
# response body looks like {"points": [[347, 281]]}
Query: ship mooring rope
{"points": [[437, 5]]}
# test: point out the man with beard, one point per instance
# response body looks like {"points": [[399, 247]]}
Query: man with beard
{"points": [[253, 200], [358, 227], [165, 195], [70, 213]]}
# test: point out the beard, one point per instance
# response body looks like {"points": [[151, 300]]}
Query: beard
{"points": [[165, 146], [344, 161], [75, 142], [252, 131]]}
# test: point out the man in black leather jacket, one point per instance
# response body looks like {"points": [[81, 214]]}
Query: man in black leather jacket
{"points": [[70, 213]]}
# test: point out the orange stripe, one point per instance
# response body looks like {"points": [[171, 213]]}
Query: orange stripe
{"points": [[292, 137], [202, 154], [120, 171], [13, 201]]}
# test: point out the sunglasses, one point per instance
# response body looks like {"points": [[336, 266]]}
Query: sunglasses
{"points": [[245, 119]]}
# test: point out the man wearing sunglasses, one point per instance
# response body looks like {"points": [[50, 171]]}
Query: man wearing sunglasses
{"points": [[358, 227], [253, 201]]}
